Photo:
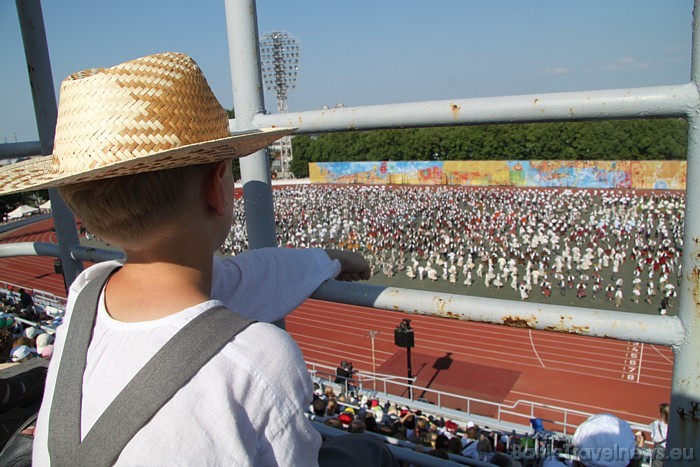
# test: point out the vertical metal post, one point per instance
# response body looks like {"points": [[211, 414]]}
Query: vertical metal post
{"points": [[684, 420], [372, 336], [242, 28], [244, 60], [36, 52], [410, 372]]}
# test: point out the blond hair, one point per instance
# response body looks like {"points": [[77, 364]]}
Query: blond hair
{"points": [[127, 209]]}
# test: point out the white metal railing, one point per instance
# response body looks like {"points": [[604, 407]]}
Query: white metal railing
{"points": [[521, 411], [46, 299]]}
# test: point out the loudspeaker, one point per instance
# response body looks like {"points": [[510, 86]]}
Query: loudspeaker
{"points": [[404, 338]]}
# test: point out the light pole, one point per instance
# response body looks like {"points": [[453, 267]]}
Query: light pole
{"points": [[279, 62], [372, 335]]}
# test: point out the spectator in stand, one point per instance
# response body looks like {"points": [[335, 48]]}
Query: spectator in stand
{"points": [[357, 426], [659, 430], [503, 460], [346, 419], [408, 419], [502, 445], [455, 445], [343, 403], [601, 441], [484, 447], [32, 332], [334, 423], [470, 442], [329, 393], [331, 408], [400, 431], [424, 439], [441, 447], [43, 345], [371, 422], [5, 345], [22, 354], [421, 426], [386, 430], [22, 340], [319, 408], [343, 374], [393, 412], [25, 300], [442, 442]]}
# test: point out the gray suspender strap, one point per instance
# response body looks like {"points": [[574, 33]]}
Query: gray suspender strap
{"points": [[154, 385], [64, 419]]}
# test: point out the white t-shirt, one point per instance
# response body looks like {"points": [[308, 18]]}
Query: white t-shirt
{"points": [[659, 431], [245, 406]]}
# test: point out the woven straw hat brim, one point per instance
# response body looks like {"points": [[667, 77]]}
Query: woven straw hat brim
{"points": [[36, 174]]}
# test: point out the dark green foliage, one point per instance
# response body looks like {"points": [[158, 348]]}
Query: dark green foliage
{"points": [[651, 139]]}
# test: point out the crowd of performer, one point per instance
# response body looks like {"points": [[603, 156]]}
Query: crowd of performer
{"points": [[620, 246]]}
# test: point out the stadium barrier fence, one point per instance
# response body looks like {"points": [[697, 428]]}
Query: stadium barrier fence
{"points": [[564, 420]]}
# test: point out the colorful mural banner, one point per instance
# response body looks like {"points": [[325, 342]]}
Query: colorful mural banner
{"points": [[659, 175]]}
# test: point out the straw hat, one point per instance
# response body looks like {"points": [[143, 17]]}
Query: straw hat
{"points": [[152, 113]]}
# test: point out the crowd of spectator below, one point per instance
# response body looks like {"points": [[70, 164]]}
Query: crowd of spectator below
{"points": [[20, 341], [432, 434], [427, 433]]}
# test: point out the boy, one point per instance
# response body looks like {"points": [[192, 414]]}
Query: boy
{"points": [[142, 155]]}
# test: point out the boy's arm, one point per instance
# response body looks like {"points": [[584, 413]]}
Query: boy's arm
{"points": [[269, 283]]}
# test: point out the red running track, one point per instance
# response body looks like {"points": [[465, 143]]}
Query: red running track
{"points": [[576, 372]]}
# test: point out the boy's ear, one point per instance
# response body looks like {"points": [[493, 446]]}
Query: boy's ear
{"points": [[216, 187]]}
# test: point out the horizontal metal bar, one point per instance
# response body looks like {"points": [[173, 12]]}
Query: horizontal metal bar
{"points": [[657, 101], [24, 149], [637, 327], [95, 255], [29, 249], [78, 252]]}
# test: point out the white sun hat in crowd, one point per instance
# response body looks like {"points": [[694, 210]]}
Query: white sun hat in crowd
{"points": [[21, 352], [604, 441]]}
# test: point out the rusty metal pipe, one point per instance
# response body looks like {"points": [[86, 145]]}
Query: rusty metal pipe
{"points": [[637, 327]]}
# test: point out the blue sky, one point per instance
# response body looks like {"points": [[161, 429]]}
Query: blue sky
{"points": [[372, 51]]}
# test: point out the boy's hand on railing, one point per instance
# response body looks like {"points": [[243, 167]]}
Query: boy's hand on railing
{"points": [[353, 267]]}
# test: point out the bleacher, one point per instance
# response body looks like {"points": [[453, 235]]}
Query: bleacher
{"points": [[527, 444]]}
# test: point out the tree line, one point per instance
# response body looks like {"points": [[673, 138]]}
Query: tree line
{"points": [[649, 139]]}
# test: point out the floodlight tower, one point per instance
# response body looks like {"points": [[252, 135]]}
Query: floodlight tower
{"points": [[279, 53]]}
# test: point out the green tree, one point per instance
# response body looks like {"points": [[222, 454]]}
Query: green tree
{"points": [[662, 139]]}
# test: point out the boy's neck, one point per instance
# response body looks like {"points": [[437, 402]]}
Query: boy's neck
{"points": [[151, 286]]}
